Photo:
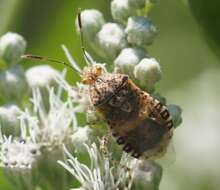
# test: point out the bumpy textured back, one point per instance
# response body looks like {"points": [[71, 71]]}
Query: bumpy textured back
{"points": [[140, 123]]}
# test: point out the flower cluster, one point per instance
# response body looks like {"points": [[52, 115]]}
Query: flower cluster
{"points": [[124, 42], [32, 136], [41, 111], [32, 132], [106, 174]]}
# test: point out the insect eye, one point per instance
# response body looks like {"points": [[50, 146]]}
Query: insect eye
{"points": [[98, 71], [125, 78], [86, 81]]}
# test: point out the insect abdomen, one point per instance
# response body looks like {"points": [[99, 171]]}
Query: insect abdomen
{"points": [[149, 133], [147, 139]]}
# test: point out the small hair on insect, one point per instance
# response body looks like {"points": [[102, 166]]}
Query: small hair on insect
{"points": [[42, 58]]}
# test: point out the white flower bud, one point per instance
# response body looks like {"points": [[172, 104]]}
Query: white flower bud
{"points": [[146, 175], [175, 112], [13, 84], [12, 46], [9, 121], [147, 72], [81, 136], [121, 10], [92, 21], [111, 39], [128, 59], [137, 3], [140, 31], [41, 76]]}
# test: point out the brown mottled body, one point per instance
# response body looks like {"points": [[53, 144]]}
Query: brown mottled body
{"points": [[141, 124]]}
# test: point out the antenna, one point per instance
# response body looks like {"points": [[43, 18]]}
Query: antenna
{"points": [[41, 58], [87, 57]]}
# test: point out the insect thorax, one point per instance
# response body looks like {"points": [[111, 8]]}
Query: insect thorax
{"points": [[116, 97]]}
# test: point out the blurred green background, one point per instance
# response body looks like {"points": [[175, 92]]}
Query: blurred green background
{"points": [[187, 48]]}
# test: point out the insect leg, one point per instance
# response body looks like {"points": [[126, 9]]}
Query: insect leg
{"points": [[104, 143]]}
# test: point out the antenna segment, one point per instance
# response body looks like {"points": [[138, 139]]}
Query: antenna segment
{"points": [[88, 59], [41, 58]]}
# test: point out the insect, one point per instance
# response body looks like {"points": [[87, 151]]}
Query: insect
{"points": [[138, 122]]}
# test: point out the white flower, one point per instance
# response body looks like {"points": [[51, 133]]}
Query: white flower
{"points": [[81, 136], [55, 124], [101, 175], [175, 112], [140, 31], [111, 39], [121, 10], [9, 119], [43, 133], [12, 46], [137, 3], [146, 175], [41, 76], [79, 94], [13, 84], [128, 59], [21, 154], [148, 73], [92, 21], [48, 128]]}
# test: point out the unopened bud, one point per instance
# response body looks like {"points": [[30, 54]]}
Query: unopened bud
{"points": [[92, 21], [128, 59], [121, 10], [12, 46], [140, 31], [148, 73], [13, 84], [111, 39], [175, 112]]}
